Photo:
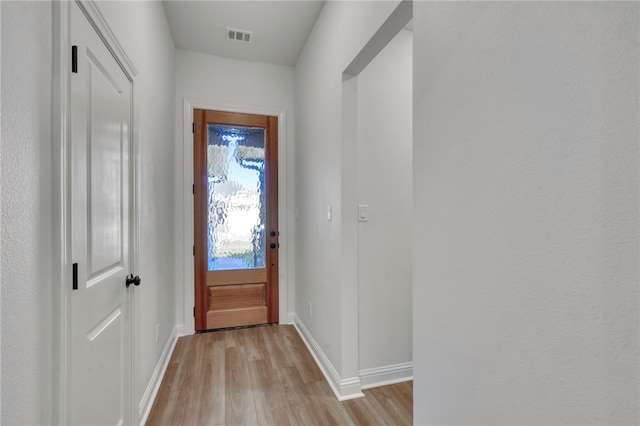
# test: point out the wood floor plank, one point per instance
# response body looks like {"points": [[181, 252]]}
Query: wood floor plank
{"points": [[363, 412], [391, 403], [268, 394], [156, 417], [164, 405], [239, 405], [331, 411], [300, 355], [302, 409], [263, 376], [180, 407], [177, 351], [187, 369], [211, 391], [279, 356], [254, 345]]}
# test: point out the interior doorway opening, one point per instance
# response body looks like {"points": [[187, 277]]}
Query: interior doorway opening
{"points": [[377, 197]]}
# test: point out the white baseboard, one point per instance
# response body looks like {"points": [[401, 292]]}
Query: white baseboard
{"points": [[387, 375], [153, 386], [180, 330], [290, 317], [343, 389]]}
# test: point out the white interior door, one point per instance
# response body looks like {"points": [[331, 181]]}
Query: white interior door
{"points": [[100, 320]]}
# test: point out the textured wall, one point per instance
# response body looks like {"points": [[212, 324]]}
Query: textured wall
{"points": [[25, 225], [342, 29], [526, 213], [0, 234], [385, 140], [26, 196]]}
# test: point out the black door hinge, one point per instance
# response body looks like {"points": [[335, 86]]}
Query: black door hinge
{"points": [[193, 189], [194, 250], [74, 59], [194, 311], [74, 284], [193, 127]]}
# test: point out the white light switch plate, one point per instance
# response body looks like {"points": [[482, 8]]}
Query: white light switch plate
{"points": [[363, 214]]}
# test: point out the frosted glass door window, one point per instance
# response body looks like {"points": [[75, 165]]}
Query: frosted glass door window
{"points": [[236, 197]]}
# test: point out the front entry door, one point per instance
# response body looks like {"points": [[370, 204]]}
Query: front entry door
{"points": [[100, 317], [236, 219]]}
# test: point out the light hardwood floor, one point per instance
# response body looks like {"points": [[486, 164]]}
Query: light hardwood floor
{"points": [[264, 376]]}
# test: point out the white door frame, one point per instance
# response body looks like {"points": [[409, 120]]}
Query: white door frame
{"points": [[188, 294], [61, 193]]}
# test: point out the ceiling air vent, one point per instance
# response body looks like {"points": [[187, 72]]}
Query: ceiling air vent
{"points": [[239, 35]]}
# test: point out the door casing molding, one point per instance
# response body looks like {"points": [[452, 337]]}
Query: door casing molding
{"points": [[184, 192], [61, 194]]}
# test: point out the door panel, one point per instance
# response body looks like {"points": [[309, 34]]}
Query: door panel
{"points": [[100, 340], [235, 199], [236, 296], [104, 168]]}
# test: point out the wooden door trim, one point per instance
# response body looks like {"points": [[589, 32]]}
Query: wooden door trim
{"points": [[272, 255], [199, 207], [200, 119]]}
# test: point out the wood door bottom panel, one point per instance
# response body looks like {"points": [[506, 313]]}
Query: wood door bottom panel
{"points": [[237, 297], [236, 317]]}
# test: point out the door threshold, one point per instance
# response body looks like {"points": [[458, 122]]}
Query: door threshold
{"points": [[240, 327]]}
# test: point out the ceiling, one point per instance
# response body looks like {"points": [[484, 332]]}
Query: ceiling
{"points": [[280, 28]]}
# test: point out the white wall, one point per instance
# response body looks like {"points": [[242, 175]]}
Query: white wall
{"points": [[341, 31], [526, 213], [0, 228], [143, 31], [385, 140], [25, 225], [214, 81]]}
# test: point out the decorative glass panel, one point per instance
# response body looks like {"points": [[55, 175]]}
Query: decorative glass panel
{"points": [[236, 197]]}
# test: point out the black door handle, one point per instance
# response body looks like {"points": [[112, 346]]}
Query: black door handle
{"points": [[133, 280]]}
